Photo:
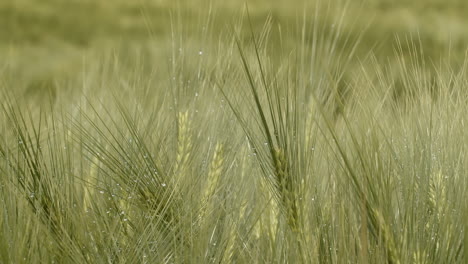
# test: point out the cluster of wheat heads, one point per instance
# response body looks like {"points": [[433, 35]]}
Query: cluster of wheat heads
{"points": [[372, 193]]}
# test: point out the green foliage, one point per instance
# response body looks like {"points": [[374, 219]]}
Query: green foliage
{"points": [[271, 139]]}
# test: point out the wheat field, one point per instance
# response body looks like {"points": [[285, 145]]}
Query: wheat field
{"points": [[163, 131]]}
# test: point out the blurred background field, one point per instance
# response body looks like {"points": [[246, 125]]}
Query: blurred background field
{"points": [[45, 39]]}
